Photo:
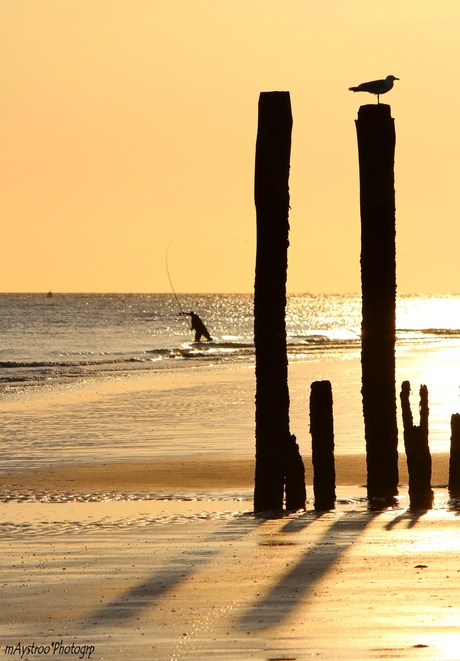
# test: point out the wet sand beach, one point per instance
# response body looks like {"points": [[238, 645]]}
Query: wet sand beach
{"points": [[348, 584], [115, 548], [183, 474]]}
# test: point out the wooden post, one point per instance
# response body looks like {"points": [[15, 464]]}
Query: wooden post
{"points": [[418, 455], [276, 450], [376, 145], [322, 444], [294, 477], [454, 460]]}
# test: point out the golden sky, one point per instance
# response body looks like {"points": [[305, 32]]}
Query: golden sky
{"points": [[126, 123]]}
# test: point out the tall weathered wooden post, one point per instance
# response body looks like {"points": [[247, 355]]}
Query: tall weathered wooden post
{"points": [[276, 450], [376, 145]]}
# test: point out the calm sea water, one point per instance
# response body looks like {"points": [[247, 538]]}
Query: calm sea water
{"points": [[68, 341], [72, 337]]}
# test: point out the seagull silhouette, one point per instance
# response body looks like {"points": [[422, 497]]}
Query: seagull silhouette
{"points": [[377, 87]]}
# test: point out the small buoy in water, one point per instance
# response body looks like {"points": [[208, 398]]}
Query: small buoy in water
{"points": [[49, 294]]}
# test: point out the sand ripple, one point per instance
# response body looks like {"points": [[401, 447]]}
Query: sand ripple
{"points": [[53, 496], [9, 529], [28, 513]]}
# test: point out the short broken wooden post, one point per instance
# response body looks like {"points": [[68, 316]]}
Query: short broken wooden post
{"points": [[376, 147], [454, 460], [322, 444], [418, 455], [278, 461], [294, 477]]}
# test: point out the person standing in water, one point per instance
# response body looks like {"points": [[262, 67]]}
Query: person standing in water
{"points": [[198, 326]]}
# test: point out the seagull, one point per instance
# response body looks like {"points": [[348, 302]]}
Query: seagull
{"points": [[376, 86]]}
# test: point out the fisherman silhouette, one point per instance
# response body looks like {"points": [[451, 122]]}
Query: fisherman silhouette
{"points": [[198, 326]]}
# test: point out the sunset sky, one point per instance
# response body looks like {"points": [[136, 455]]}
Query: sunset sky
{"points": [[127, 123]]}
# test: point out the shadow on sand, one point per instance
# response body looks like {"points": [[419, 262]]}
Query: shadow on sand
{"points": [[296, 585], [178, 569]]}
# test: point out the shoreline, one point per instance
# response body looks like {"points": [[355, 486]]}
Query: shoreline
{"points": [[193, 473]]}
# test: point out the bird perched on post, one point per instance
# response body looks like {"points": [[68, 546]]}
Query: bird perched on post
{"points": [[377, 87]]}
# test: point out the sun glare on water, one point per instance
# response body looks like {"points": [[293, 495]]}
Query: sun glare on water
{"points": [[428, 338], [431, 312]]}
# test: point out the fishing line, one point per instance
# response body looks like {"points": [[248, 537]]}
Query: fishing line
{"points": [[170, 281]]}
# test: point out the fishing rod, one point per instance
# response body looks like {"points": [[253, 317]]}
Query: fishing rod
{"points": [[170, 281]]}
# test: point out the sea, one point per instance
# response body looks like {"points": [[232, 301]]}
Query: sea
{"points": [[47, 340], [50, 342], [68, 337]]}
